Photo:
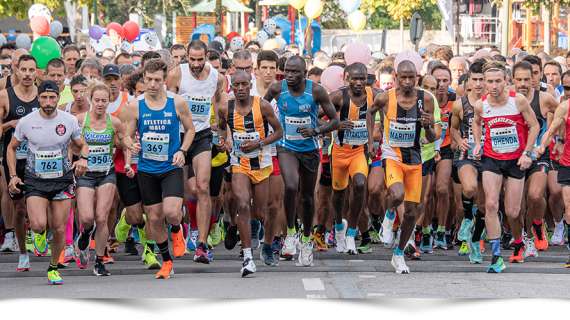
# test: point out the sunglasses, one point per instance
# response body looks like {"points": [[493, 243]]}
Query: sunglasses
{"points": [[5, 66], [567, 88]]}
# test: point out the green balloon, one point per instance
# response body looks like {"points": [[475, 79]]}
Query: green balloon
{"points": [[45, 49]]}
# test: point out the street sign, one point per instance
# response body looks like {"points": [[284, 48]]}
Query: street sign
{"points": [[416, 28]]}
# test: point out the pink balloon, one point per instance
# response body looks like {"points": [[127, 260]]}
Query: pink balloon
{"points": [[332, 78], [357, 52], [411, 56]]}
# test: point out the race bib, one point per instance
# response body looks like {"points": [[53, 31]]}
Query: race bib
{"points": [[22, 150], [402, 135], [358, 135], [293, 126], [99, 159], [200, 108], [444, 126], [505, 139], [240, 138], [49, 164], [155, 146]]}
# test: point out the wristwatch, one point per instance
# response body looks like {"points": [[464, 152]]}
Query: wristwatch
{"points": [[261, 144], [527, 153], [84, 157], [183, 151], [317, 131]]}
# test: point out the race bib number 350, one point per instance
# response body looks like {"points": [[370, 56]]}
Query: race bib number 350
{"points": [[293, 126], [155, 146], [49, 164], [99, 159], [505, 139]]}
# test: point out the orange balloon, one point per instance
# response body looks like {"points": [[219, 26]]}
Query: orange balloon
{"points": [[40, 25]]}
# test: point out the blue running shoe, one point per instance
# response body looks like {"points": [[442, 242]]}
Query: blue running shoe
{"points": [[497, 267]]}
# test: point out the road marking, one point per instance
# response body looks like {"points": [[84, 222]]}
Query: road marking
{"points": [[375, 294], [316, 296], [313, 284], [352, 261], [366, 276]]}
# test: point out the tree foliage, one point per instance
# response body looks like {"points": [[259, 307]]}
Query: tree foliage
{"points": [[19, 8], [396, 9]]}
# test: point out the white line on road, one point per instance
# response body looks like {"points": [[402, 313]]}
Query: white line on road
{"points": [[366, 276], [313, 284], [316, 296], [353, 261], [375, 294]]}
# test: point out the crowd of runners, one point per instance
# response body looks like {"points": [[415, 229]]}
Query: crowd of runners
{"points": [[174, 152]]}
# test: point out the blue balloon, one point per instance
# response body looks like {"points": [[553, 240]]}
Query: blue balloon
{"points": [[349, 6]]}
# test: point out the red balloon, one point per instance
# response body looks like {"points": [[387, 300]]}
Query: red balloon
{"points": [[231, 35], [40, 25], [131, 30], [115, 27]]}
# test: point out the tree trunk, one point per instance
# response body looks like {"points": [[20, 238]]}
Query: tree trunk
{"points": [[219, 14]]}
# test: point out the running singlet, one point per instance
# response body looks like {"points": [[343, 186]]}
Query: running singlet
{"points": [[466, 130], [100, 144], [17, 110], [246, 128], [115, 108], [565, 157], [296, 113], [199, 95], [159, 135], [402, 130], [428, 149], [446, 120], [542, 122], [505, 130], [48, 141], [358, 135]]}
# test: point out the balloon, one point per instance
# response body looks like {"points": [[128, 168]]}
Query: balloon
{"points": [[126, 46], [357, 52], [271, 44], [281, 41], [349, 6], [131, 30], [261, 37], [332, 78], [55, 29], [116, 32], [23, 41], [40, 25], [297, 4], [2, 40], [269, 26], [357, 21], [236, 43], [412, 56], [221, 40], [45, 49], [39, 9], [313, 9], [95, 32], [151, 38], [231, 35]]}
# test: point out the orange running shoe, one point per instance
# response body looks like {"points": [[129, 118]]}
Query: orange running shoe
{"points": [[320, 243], [107, 259], [539, 234], [61, 261], [166, 271], [518, 253], [482, 245], [92, 244], [178, 244]]}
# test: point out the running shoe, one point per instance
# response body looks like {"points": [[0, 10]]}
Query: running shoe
{"points": [[289, 246], [506, 240], [427, 243], [215, 236], [340, 238], [540, 237], [364, 246], [113, 245], [69, 254], [248, 267], [23, 263], [100, 270], [530, 248], [466, 230], [266, 255], [54, 277], [40, 244], [122, 228], [411, 251], [255, 228], [557, 238], [475, 256], [329, 236], [567, 264], [351, 246], [440, 240], [178, 245], [82, 258], [61, 260], [518, 253], [10, 244], [497, 267], [131, 247], [149, 259], [464, 249], [230, 241], [319, 239], [449, 240], [306, 254], [387, 226], [201, 254], [107, 259], [166, 271], [399, 264], [374, 236]]}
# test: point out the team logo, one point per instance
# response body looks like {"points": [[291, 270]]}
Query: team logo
{"points": [[20, 110], [60, 129], [305, 108]]}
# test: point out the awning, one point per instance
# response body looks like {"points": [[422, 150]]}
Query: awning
{"points": [[210, 6]]}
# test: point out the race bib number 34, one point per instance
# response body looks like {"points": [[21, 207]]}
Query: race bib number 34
{"points": [[49, 164], [155, 146], [293, 126], [505, 139]]}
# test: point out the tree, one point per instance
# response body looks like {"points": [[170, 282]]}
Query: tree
{"points": [[397, 9], [19, 8]]}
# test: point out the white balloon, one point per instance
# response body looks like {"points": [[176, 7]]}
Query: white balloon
{"points": [[23, 41], [39, 9], [2, 40], [349, 6], [236, 43], [261, 37], [55, 29], [269, 26]]}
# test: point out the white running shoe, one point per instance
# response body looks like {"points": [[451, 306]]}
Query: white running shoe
{"points": [[10, 244], [306, 255], [388, 235], [248, 267], [23, 263], [558, 234], [530, 250], [289, 246], [399, 264], [340, 238], [351, 246]]}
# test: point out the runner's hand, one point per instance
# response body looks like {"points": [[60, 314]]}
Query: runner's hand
{"points": [[307, 132], [80, 167], [437, 156], [135, 148], [477, 150], [464, 146], [524, 162], [426, 119], [249, 146], [178, 159], [346, 125], [13, 185], [129, 172], [539, 151]]}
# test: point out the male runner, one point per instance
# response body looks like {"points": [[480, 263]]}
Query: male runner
{"points": [[80, 104]]}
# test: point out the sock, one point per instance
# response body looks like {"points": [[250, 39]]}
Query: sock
{"points": [[163, 247], [140, 226], [305, 238], [290, 231], [351, 232], [467, 207], [9, 230], [426, 230], [52, 267], [338, 227], [83, 241], [174, 228], [213, 220], [496, 247], [479, 227], [398, 252], [191, 206], [366, 236], [440, 229], [247, 253]]}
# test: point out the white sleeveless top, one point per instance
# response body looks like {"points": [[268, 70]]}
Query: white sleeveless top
{"points": [[199, 95]]}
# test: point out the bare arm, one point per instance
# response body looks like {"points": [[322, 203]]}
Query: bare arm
{"points": [[269, 114], [173, 79], [557, 123], [273, 91], [530, 119], [456, 117], [220, 97], [322, 98], [130, 119], [476, 126], [379, 102], [11, 156], [427, 118], [186, 119], [119, 129]]}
